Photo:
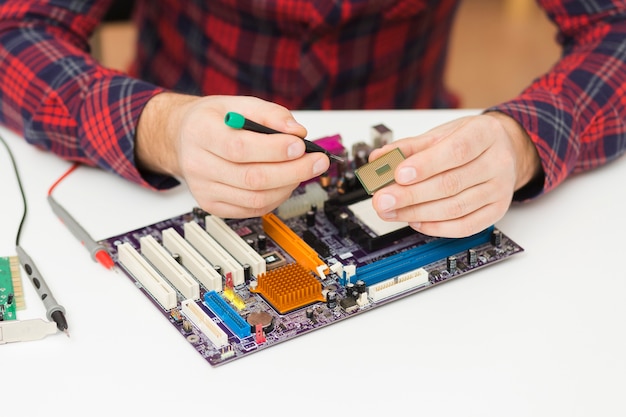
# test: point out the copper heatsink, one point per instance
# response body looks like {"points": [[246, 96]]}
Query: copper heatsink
{"points": [[289, 287]]}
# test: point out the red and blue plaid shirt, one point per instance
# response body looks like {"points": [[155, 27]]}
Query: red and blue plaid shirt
{"points": [[321, 54]]}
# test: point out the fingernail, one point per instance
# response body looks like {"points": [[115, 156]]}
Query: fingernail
{"points": [[406, 174], [294, 150], [415, 225], [389, 215], [320, 166], [386, 202]]}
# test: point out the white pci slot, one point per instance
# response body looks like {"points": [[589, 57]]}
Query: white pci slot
{"points": [[237, 247], [169, 268], [396, 285], [202, 270], [213, 251], [146, 275], [204, 322]]}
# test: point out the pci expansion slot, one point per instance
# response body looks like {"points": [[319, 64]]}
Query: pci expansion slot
{"points": [[165, 263], [214, 252], [204, 323], [234, 244], [152, 281], [192, 260]]}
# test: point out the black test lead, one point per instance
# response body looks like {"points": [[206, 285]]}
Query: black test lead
{"points": [[54, 311], [237, 121]]}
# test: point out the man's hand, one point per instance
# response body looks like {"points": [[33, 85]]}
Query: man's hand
{"points": [[458, 178], [231, 173]]}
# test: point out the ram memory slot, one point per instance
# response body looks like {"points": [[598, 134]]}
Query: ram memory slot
{"points": [[293, 244], [418, 257], [231, 319], [238, 248]]}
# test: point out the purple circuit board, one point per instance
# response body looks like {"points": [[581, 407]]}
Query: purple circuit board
{"points": [[233, 287], [341, 295]]}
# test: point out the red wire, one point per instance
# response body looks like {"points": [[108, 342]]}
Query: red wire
{"points": [[101, 255], [62, 177]]}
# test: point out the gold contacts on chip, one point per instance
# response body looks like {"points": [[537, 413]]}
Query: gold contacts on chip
{"points": [[379, 173]]}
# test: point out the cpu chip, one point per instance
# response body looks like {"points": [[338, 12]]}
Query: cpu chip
{"points": [[379, 173]]}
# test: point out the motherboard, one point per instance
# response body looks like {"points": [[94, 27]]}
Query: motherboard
{"points": [[233, 287]]}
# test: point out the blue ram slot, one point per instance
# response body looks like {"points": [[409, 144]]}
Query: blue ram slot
{"points": [[234, 321], [418, 257]]}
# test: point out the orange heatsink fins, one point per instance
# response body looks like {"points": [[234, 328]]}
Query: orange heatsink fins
{"points": [[289, 287]]}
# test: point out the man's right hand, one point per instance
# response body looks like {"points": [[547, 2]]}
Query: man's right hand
{"points": [[231, 173]]}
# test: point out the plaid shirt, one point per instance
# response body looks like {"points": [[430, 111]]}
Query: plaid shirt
{"points": [[323, 54]]}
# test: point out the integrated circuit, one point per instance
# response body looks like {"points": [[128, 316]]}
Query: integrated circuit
{"points": [[274, 260], [380, 172]]}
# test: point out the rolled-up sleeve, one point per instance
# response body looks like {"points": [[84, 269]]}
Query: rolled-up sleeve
{"points": [[576, 113], [55, 94]]}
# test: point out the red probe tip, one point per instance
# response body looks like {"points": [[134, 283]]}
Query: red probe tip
{"points": [[105, 259]]}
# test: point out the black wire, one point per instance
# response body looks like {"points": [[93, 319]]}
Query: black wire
{"points": [[19, 182]]}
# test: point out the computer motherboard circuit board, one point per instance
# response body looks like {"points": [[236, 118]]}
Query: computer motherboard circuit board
{"points": [[233, 287]]}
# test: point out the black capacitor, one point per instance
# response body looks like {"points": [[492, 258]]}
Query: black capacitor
{"points": [[261, 242], [360, 286], [496, 238], [360, 157], [343, 224], [346, 183], [218, 269], [247, 272], [309, 313], [451, 264], [350, 290], [314, 208], [310, 218], [342, 167], [250, 242], [472, 257], [351, 181], [199, 213], [331, 299]]}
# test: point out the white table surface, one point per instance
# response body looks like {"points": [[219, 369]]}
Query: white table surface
{"points": [[540, 334]]}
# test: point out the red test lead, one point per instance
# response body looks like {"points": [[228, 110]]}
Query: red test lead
{"points": [[97, 251]]}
